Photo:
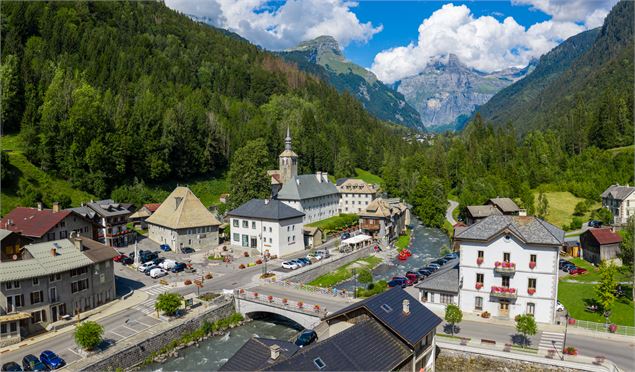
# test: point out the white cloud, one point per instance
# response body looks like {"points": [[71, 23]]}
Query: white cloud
{"points": [[484, 43], [284, 26], [591, 13]]}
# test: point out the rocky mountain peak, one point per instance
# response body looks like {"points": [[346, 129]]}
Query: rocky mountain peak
{"points": [[321, 44]]}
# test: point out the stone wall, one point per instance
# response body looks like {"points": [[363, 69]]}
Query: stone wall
{"points": [[137, 348], [317, 271], [450, 361]]}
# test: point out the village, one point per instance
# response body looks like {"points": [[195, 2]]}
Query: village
{"points": [[60, 266]]}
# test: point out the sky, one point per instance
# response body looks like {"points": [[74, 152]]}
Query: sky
{"points": [[396, 39]]}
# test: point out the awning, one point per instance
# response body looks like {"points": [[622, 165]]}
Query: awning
{"points": [[14, 317], [356, 239]]}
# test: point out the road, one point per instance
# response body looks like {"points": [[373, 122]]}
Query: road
{"points": [[448, 212]]}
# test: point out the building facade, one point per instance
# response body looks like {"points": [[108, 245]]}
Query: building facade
{"points": [[620, 200], [51, 281], [43, 225], [112, 221], [600, 245], [311, 194], [355, 195], [139, 217], [268, 226], [509, 266], [182, 221], [384, 220]]}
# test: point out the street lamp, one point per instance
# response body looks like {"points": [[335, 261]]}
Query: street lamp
{"points": [[564, 342], [354, 271]]}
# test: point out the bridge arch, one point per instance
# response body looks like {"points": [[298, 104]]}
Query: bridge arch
{"points": [[304, 319]]}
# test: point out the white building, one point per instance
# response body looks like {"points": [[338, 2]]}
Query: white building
{"points": [[267, 225], [183, 221], [620, 200], [311, 194], [509, 266], [355, 195]]}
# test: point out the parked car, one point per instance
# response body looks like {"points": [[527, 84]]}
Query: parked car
{"points": [[559, 306], [31, 363], [119, 257], [414, 278], [577, 271], [127, 261], [314, 256], [187, 250], [290, 265], [306, 261], [416, 273], [407, 281], [11, 366], [148, 257], [425, 272], [167, 264], [568, 268], [440, 261], [299, 263], [158, 260], [157, 273], [51, 360], [144, 266], [397, 283], [165, 248], [345, 236], [178, 267], [436, 266], [323, 253], [306, 338], [595, 223], [149, 268], [451, 256]]}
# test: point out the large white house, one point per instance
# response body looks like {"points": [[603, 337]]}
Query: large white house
{"points": [[509, 266], [355, 195], [267, 225], [620, 200]]}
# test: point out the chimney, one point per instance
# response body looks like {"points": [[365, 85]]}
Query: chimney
{"points": [[39, 206], [318, 175], [275, 351], [56, 207], [266, 201], [53, 252], [78, 243], [406, 307], [326, 176]]}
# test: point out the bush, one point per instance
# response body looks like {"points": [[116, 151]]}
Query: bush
{"points": [[445, 250], [187, 282], [581, 208], [242, 266], [258, 261], [485, 314], [88, 335], [364, 276], [246, 254], [169, 303], [576, 223], [209, 276]]}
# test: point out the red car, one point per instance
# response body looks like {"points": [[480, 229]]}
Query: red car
{"points": [[577, 270], [119, 257], [413, 278]]}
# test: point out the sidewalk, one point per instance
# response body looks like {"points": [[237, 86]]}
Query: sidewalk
{"points": [[96, 314]]}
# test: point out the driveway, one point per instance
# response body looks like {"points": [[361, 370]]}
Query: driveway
{"points": [[448, 212]]}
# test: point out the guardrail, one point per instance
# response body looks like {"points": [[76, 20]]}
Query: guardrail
{"points": [[283, 303], [331, 292], [603, 328]]}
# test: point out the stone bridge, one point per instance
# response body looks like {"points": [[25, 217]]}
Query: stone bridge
{"points": [[306, 315]]}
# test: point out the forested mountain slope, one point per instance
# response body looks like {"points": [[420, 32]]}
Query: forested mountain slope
{"points": [[104, 93], [591, 101]]}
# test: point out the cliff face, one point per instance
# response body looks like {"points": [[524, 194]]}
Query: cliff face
{"points": [[446, 92]]}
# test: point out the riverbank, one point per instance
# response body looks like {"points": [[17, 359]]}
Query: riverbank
{"points": [[345, 272]]}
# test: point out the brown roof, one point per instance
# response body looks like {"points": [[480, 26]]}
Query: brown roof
{"points": [[506, 205], [356, 186], [480, 211], [182, 210], [33, 222], [97, 252], [605, 236], [152, 207]]}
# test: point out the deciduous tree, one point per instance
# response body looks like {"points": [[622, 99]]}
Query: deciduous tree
{"points": [[88, 334], [453, 315]]}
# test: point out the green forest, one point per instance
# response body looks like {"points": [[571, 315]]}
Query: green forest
{"points": [[112, 96]]}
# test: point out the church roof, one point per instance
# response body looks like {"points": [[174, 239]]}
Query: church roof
{"points": [[306, 186], [182, 210]]}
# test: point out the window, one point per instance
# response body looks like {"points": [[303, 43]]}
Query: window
{"points": [[532, 258], [480, 278], [50, 236], [55, 277], [37, 297], [478, 303], [447, 299], [531, 283], [52, 294], [505, 281], [506, 257], [264, 229], [38, 316], [63, 234], [270, 240], [12, 285], [80, 271], [481, 254], [288, 228], [253, 225], [36, 281], [531, 308], [236, 237], [269, 228], [245, 224], [235, 222], [14, 302], [79, 285]]}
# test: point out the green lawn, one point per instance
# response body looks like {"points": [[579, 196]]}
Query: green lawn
{"points": [[561, 207], [592, 274], [343, 273], [576, 296], [336, 223], [35, 176], [403, 241], [368, 177]]}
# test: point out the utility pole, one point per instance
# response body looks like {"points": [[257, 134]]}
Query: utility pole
{"points": [[355, 283], [564, 342]]}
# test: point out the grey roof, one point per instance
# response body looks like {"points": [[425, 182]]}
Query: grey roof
{"points": [[481, 211], [84, 211], [366, 346], [109, 208], [305, 186], [265, 210], [255, 354], [618, 192], [443, 281], [527, 228], [4, 233], [43, 262], [411, 328], [506, 205], [340, 181]]}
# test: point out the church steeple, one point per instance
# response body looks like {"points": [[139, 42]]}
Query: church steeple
{"points": [[287, 140], [288, 160]]}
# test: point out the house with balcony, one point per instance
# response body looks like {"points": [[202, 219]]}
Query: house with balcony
{"points": [[620, 200], [384, 220], [112, 219], [509, 266], [355, 195], [51, 281]]}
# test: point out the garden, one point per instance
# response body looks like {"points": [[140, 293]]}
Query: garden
{"points": [[345, 272]]}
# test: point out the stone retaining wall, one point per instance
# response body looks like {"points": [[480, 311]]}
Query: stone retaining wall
{"points": [[137, 348], [317, 271], [451, 361]]}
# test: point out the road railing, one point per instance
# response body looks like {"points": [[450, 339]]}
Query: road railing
{"points": [[331, 292], [602, 327], [282, 303]]}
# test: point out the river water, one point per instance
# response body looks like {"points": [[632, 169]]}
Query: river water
{"points": [[214, 352]]}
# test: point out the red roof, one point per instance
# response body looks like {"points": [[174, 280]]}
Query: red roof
{"points": [[152, 207], [605, 236], [32, 222]]}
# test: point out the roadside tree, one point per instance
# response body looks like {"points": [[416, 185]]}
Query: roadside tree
{"points": [[606, 288], [453, 315], [543, 205], [526, 325], [88, 335], [169, 303]]}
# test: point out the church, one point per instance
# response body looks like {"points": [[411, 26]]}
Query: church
{"points": [[311, 194]]}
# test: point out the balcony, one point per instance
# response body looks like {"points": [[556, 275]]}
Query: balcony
{"points": [[504, 292], [369, 226], [504, 267]]}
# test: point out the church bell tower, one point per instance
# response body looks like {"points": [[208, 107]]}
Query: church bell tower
{"points": [[288, 161]]}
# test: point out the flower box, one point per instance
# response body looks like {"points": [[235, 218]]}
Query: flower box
{"points": [[571, 321], [532, 265], [479, 285], [613, 328], [316, 308], [479, 261], [531, 291], [300, 304], [270, 298], [285, 301], [570, 350], [255, 294]]}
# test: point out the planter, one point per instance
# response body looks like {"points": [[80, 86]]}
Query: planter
{"points": [[613, 328], [242, 291], [316, 308], [479, 261], [478, 285], [285, 301], [485, 314], [571, 321], [531, 291], [255, 294], [300, 304], [270, 298], [570, 350], [532, 265]]}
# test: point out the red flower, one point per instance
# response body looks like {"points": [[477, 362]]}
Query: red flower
{"points": [[497, 263], [479, 261], [300, 304], [532, 265], [479, 285], [270, 298], [531, 291]]}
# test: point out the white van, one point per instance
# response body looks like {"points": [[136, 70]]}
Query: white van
{"points": [[157, 273], [167, 264]]}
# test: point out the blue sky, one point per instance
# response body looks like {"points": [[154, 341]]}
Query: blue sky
{"points": [[395, 39]]}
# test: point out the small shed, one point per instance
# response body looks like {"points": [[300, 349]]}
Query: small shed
{"points": [[600, 245], [313, 236]]}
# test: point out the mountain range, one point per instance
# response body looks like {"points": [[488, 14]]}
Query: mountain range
{"points": [[323, 57]]}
